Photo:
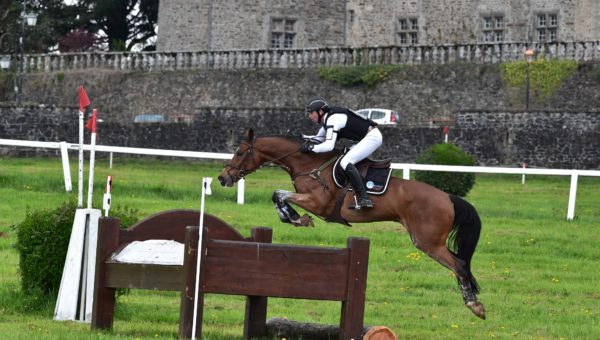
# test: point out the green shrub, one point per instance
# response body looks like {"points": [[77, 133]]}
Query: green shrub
{"points": [[42, 243], [450, 182], [368, 75]]}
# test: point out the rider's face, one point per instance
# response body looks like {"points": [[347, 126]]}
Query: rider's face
{"points": [[313, 116]]}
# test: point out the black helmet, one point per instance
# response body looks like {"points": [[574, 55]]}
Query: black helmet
{"points": [[316, 104]]}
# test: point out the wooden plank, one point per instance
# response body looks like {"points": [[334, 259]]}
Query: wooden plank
{"points": [[283, 252], [68, 293], [104, 297], [353, 308], [92, 243], [170, 225], [143, 276], [255, 320], [275, 270], [188, 290]]}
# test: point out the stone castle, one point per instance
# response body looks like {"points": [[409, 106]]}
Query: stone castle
{"points": [[207, 25]]}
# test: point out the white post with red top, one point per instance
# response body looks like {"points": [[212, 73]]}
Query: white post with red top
{"points": [[446, 134]]}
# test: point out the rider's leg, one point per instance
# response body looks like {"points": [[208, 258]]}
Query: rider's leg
{"points": [[360, 151], [360, 191]]}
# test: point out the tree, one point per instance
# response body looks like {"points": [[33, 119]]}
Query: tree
{"points": [[54, 19], [123, 24], [78, 40]]}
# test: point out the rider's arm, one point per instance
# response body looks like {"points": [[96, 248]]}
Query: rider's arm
{"points": [[320, 136], [334, 124]]}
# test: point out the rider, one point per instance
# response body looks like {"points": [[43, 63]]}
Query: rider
{"points": [[338, 122]]}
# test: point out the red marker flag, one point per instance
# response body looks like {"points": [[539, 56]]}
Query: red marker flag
{"points": [[445, 130], [84, 101], [91, 124]]}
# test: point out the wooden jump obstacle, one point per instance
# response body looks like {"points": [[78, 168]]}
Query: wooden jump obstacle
{"points": [[231, 264]]}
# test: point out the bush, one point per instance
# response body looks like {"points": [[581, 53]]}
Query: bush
{"points": [[368, 75], [42, 243], [450, 182]]}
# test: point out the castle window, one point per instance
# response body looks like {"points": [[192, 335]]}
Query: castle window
{"points": [[546, 27], [408, 31], [283, 32], [492, 28]]}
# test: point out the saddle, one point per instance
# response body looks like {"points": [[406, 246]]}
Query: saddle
{"points": [[374, 173]]}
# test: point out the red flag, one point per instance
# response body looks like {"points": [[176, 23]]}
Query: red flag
{"points": [[91, 124], [445, 130], [83, 99]]}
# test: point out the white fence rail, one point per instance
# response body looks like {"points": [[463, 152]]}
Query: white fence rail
{"points": [[406, 168]]}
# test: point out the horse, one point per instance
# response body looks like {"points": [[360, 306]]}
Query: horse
{"points": [[443, 226]]}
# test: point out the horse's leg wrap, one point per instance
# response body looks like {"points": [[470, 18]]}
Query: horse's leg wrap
{"points": [[287, 214], [282, 207], [470, 299]]}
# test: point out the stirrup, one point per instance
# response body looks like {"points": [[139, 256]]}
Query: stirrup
{"points": [[366, 204]]}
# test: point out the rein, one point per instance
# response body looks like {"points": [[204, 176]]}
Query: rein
{"points": [[314, 173], [242, 172]]}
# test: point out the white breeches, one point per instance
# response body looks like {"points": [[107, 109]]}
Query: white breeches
{"points": [[363, 149]]}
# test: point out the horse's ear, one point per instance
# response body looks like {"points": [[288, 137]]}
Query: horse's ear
{"points": [[249, 135]]}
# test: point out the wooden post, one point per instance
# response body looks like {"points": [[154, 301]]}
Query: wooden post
{"points": [[186, 312], [255, 322], [104, 297], [353, 307]]}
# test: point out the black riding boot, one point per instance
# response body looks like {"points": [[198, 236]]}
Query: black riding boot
{"points": [[362, 199]]}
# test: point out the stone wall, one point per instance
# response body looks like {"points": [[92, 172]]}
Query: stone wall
{"points": [[541, 139], [419, 93], [230, 24], [226, 25]]}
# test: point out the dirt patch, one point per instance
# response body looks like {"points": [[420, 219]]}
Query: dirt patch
{"points": [[3, 235]]}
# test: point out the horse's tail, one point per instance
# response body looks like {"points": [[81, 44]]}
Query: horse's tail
{"points": [[465, 234]]}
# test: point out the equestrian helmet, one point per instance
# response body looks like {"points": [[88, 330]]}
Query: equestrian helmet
{"points": [[316, 104]]}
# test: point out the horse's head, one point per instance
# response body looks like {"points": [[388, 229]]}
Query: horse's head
{"points": [[242, 163]]}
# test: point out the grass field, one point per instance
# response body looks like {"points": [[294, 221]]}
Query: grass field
{"points": [[539, 273]]}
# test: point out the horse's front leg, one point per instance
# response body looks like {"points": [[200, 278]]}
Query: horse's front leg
{"points": [[287, 214]]}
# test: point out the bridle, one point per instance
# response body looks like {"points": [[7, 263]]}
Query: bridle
{"points": [[242, 171]]}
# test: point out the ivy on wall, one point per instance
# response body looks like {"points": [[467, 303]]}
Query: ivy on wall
{"points": [[6, 85], [368, 75], [545, 76]]}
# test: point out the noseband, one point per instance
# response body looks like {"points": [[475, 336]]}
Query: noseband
{"points": [[242, 172]]}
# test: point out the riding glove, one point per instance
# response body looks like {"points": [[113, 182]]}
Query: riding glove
{"points": [[306, 147]]}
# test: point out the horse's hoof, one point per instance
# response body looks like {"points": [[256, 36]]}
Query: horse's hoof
{"points": [[477, 308], [304, 221]]}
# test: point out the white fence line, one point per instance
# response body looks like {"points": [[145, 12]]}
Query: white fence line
{"points": [[405, 167]]}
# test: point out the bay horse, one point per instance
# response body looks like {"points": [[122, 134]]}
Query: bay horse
{"points": [[443, 226]]}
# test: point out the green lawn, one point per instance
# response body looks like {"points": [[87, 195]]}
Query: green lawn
{"points": [[539, 273]]}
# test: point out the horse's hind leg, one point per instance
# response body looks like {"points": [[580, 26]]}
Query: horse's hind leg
{"points": [[439, 252]]}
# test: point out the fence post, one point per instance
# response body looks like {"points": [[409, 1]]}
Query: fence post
{"points": [[65, 163], [240, 191], [572, 195], [406, 172]]}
